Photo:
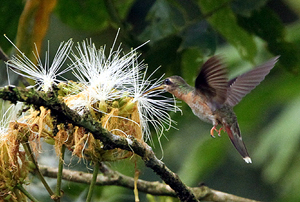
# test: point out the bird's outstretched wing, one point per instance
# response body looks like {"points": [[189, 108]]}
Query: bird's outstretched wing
{"points": [[243, 84], [212, 81]]}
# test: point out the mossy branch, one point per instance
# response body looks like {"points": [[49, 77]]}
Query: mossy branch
{"points": [[111, 177], [173, 187], [63, 114]]}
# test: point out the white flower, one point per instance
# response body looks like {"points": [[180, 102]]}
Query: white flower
{"points": [[103, 78], [43, 74], [153, 106], [102, 75], [113, 77], [9, 113]]}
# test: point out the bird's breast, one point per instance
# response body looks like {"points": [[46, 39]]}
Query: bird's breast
{"points": [[199, 107]]}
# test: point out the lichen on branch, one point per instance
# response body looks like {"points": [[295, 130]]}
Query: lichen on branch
{"points": [[110, 141]]}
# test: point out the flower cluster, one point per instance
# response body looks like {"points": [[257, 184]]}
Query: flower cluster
{"points": [[110, 88], [14, 166]]}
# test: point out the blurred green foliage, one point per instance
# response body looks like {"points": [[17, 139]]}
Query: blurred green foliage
{"points": [[10, 14], [182, 35]]}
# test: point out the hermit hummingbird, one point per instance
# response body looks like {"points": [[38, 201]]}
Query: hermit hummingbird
{"points": [[213, 97]]}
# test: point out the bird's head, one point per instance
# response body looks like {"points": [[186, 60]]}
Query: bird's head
{"points": [[171, 84]]}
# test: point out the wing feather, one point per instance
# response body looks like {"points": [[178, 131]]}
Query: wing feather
{"points": [[212, 81], [243, 84]]}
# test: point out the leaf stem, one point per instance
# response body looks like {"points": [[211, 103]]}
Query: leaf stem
{"points": [[3, 55], [36, 169], [60, 170], [92, 185], [24, 191]]}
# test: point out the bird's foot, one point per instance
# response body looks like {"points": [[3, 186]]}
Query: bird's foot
{"points": [[212, 131], [219, 132], [214, 128]]}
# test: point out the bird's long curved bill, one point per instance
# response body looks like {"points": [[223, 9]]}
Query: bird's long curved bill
{"points": [[160, 87]]}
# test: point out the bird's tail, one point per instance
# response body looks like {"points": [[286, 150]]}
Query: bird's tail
{"points": [[234, 134]]}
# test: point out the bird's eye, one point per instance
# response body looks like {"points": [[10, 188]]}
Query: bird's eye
{"points": [[167, 82]]}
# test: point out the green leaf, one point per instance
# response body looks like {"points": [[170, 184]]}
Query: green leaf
{"points": [[201, 36], [163, 19], [290, 181], [199, 40], [263, 23], [10, 14], [191, 60], [279, 143], [266, 24], [164, 53], [90, 15], [188, 9], [289, 55], [205, 156], [245, 7], [123, 7], [222, 18]]}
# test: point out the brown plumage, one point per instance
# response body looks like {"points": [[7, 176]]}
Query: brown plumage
{"points": [[213, 96]]}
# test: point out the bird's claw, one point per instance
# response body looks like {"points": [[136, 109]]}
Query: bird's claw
{"points": [[215, 129], [212, 131], [219, 132]]}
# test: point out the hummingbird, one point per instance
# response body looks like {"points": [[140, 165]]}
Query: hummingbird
{"points": [[213, 97]]}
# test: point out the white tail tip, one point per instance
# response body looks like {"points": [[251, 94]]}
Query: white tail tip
{"points": [[248, 159]]}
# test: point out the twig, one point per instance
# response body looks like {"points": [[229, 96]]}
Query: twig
{"points": [[36, 169], [3, 56], [60, 170], [24, 191], [111, 177], [93, 182], [136, 177]]}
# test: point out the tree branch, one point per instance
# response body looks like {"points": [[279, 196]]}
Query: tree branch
{"points": [[109, 140], [111, 177]]}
